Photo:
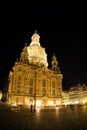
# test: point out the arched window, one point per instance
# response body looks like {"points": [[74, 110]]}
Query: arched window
{"points": [[53, 84], [31, 82], [43, 83]]}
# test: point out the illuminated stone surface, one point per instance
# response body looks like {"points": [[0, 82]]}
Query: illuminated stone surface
{"points": [[31, 81]]}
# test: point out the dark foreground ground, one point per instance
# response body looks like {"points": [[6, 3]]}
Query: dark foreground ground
{"points": [[67, 118]]}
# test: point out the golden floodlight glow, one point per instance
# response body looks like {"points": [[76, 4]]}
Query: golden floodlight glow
{"points": [[50, 103], [84, 101], [38, 103], [0, 96], [76, 102], [31, 81], [14, 104]]}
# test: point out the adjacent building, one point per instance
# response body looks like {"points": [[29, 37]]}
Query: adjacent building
{"points": [[31, 81], [77, 94]]}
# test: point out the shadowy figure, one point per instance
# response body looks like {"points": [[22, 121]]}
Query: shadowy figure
{"points": [[31, 107]]}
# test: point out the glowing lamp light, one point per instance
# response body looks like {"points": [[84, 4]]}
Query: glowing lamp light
{"points": [[50, 103], [84, 101], [76, 102], [14, 104], [38, 103]]}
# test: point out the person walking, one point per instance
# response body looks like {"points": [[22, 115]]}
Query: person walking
{"points": [[31, 107]]}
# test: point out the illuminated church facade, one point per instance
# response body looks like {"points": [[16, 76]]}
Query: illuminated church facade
{"points": [[31, 81]]}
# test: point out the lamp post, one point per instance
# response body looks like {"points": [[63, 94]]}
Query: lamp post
{"points": [[35, 93]]}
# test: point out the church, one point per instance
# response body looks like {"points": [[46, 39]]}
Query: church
{"points": [[31, 81]]}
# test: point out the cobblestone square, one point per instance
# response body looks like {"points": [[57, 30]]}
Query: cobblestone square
{"points": [[48, 119]]}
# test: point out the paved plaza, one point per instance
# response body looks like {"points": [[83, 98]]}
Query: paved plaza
{"points": [[64, 118]]}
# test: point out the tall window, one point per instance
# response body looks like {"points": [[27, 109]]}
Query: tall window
{"points": [[30, 101], [44, 91], [53, 88], [44, 83], [53, 92], [53, 84], [31, 82], [19, 79], [30, 90], [18, 91], [44, 87]]}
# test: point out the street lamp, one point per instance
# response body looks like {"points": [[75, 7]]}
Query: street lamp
{"points": [[35, 93]]}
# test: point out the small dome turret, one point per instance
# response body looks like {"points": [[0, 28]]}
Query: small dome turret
{"points": [[35, 39]]}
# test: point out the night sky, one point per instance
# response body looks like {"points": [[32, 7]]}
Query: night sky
{"points": [[62, 31]]}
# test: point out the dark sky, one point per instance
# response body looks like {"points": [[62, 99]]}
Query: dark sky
{"points": [[61, 30]]}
